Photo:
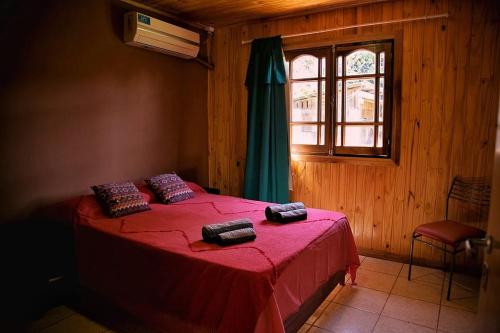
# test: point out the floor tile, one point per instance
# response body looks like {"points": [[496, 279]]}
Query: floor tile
{"points": [[382, 266], [304, 328], [391, 325], [50, 317], [362, 298], [461, 297], [466, 281], [412, 310], [375, 280], [334, 292], [424, 291], [315, 329], [455, 321], [75, 324], [342, 319], [423, 274], [361, 258]]}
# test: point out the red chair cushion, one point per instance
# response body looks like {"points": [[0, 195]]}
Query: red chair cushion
{"points": [[449, 232]]}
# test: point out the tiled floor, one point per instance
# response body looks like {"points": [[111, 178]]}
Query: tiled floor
{"points": [[383, 301]]}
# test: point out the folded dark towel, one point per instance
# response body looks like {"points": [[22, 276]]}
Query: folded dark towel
{"points": [[236, 236], [210, 231], [272, 211], [291, 216]]}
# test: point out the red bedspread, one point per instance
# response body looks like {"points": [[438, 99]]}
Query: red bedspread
{"points": [[155, 262]]}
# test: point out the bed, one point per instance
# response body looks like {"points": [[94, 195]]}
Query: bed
{"points": [[155, 265]]}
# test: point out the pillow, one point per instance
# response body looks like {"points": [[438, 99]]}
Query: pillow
{"points": [[169, 188], [195, 187], [119, 199]]}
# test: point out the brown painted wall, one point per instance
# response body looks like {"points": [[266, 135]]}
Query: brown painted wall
{"points": [[79, 107]]}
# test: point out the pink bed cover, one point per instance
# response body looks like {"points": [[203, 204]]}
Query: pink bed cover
{"points": [[155, 264]]}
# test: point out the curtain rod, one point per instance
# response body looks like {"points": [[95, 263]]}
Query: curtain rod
{"points": [[420, 18]]}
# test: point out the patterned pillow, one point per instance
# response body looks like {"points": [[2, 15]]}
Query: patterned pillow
{"points": [[119, 199], [169, 188]]}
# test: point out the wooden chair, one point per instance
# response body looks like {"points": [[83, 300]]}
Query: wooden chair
{"points": [[451, 233]]}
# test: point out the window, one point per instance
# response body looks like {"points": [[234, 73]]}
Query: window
{"points": [[310, 102], [341, 99]]}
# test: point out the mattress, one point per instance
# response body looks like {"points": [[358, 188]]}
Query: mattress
{"points": [[156, 266]]}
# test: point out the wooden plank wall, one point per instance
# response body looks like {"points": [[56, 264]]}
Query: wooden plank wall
{"points": [[450, 86]]}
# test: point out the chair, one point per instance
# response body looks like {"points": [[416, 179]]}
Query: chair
{"points": [[451, 233]]}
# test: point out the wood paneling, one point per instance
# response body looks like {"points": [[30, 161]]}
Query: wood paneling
{"points": [[449, 98], [224, 12]]}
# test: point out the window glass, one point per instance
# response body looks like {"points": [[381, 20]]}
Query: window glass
{"points": [[304, 134], [382, 62], [338, 138], [359, 136], [322, 136], [339, 100], [323, 100], [360, 100], [304, 101], [305, 67], [360, 62], [380, 135], [381, 99]]}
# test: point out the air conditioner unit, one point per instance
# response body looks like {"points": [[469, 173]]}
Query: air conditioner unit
{"points": [[150, 33]]}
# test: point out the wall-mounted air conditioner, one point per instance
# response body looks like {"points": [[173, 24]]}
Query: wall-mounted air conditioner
{"points": [[150, 33]]}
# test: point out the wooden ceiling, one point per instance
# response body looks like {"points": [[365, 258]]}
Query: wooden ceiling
{"points": [[225, 12]]}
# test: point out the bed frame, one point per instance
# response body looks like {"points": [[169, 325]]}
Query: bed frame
{"points": [[294, 322]]}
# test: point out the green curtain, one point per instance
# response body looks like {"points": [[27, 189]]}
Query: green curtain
{"points": [[267, 163]]}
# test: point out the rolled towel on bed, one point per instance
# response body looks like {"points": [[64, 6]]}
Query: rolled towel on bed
{"points": [[273, 211], [211, 231], [291, 216], [236, 236]]}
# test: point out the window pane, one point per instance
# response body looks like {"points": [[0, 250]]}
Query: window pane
{"points": [[339, 100], [323, 67], [322, 137], [305, 66], [338, 139], [339, 66], [382, 62], [380, 135], [304, 134], [304, 101], [359, 136], [381, 100], [360, 100], [360, 62], [323, 100]]}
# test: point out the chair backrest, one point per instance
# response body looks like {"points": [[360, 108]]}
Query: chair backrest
{"points": [[472, 190]]}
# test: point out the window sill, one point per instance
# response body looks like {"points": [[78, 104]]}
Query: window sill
{"points": [[356, 160]]}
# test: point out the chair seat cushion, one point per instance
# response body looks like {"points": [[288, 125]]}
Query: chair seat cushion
{"points": [[449, 232]]}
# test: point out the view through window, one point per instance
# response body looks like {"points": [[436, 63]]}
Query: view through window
{"points": [[341, 99]]}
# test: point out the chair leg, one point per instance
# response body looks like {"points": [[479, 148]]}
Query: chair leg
{"points": [[411, 255], [452, 268]]}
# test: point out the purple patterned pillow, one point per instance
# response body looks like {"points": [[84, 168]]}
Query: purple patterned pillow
{"points": [[119, 199], [169, 188]]}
